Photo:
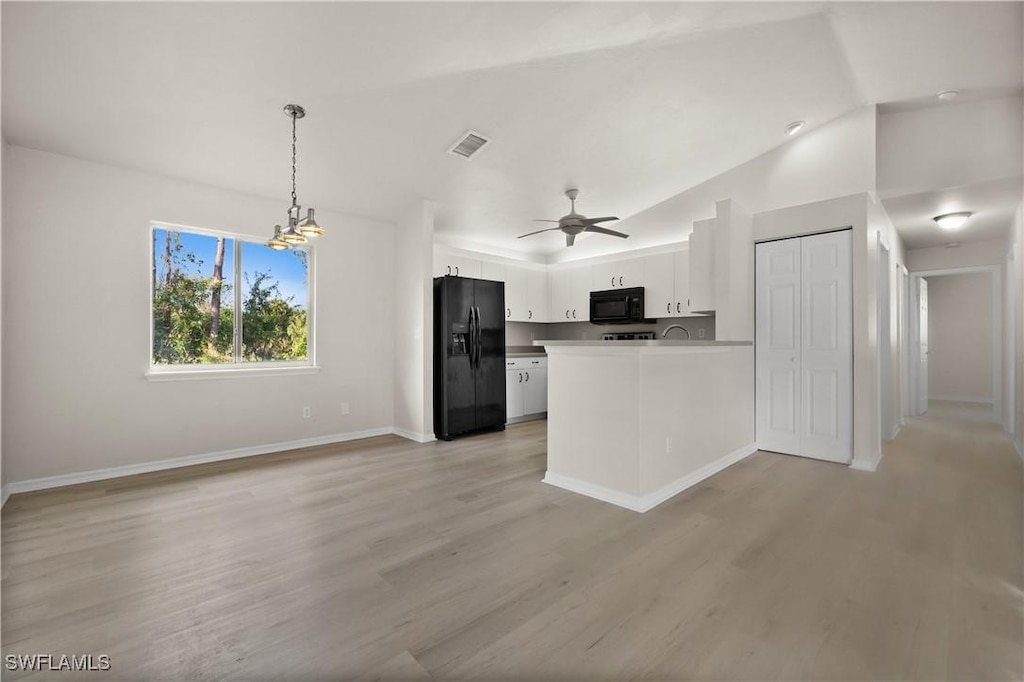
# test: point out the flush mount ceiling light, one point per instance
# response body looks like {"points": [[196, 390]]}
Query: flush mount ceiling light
{"points": [[951, 221], [794, 127], [298, 231], [948, 95]]}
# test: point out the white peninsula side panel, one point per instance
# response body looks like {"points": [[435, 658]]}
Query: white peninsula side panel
{"points": [[635, 423]]}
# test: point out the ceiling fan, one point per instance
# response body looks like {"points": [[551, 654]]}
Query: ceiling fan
{"points": [[573, 223]]}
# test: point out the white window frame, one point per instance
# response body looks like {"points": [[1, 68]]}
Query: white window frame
{"points": [[166, 372]]}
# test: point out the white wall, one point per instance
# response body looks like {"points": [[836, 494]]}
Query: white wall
{"points": [[76, 334], [833, 160], [414, 322], [914, 161], [960, 337], [966, 255], [868, 219]]}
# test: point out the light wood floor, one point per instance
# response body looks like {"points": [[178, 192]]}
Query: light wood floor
{"points": [[390, 560]]}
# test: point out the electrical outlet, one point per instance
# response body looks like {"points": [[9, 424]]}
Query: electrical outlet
{"points": [[345, 408], [700, 333], [307, 412]]}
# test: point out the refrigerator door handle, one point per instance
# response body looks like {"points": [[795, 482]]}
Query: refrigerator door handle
{"points": [[479, 342], [472, 336]]}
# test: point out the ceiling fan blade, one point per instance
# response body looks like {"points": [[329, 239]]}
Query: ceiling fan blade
{"points": [[542, 220], [530, 234], [591, 221], [570, 239], [604, 230]]}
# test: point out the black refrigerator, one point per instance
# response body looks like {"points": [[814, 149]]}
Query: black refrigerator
{"points": [[469, 356]]}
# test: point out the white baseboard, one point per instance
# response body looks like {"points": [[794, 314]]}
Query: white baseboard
{"points": [[643, 503], [413, 436], [867, 464], [163, 464], [961, 399]]}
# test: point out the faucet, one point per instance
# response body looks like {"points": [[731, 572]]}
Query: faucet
{"points": [[675, 326]]}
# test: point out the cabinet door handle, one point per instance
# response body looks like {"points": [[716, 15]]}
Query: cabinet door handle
{"points": [[456, 270], [449, 269], [529, 314], [567, 313], [620, 281], [668, 308], [508, 312], [574, 313], [678, 309], [613, 281], [527, 376], [520, 377]]}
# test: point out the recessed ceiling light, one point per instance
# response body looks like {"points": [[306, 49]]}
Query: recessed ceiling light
{"points": [[948, 95], [794, 127], [951, 221]]}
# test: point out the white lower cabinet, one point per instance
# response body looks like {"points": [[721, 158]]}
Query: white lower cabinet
{"points": [[526, 388]]}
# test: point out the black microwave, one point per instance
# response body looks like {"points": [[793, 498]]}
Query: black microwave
{"points": [[617, 306]]}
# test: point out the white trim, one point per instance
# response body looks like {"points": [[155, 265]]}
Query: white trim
{"points": [[867, 465], [189, 460], [233, 371], [4, 493], [647, 502], [413, 436], [961, 399]]}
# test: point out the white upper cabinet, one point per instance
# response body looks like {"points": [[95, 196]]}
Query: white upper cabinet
{"points": [[702, 258], [681, 267], [620, 274], [515, 293], [659, 285], [455, 264], [570, 294], [526, 293], [537, 304], [667, 284]]}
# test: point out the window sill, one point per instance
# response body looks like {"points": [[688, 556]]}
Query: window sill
{"points": [[227, 373]]}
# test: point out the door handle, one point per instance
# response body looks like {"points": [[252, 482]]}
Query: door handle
{"points": [[527, 376]]}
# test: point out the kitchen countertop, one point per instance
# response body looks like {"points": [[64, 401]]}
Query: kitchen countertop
{"points": [[645, 343], [524, 351]]}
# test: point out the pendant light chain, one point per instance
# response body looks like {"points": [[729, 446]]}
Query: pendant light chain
{"points": [[294, 197]]}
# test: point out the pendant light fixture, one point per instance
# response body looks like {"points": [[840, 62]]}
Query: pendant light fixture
{"points": [[298, 231]]}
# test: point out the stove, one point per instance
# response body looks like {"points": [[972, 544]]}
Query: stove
{"points": [[628, 336]]}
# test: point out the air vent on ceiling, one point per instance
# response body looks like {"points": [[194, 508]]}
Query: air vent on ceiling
{"points": [[468, 145]]}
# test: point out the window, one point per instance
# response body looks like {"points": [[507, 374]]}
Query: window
{"points": [[222, 301]]}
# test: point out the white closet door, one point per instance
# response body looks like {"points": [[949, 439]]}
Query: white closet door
{"points": [[804, 346], [778, 346], [826, 358]]}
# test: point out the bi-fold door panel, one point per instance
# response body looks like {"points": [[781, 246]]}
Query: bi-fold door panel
{"points": [[804, 346]]}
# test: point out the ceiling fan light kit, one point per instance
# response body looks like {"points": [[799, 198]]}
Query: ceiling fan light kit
{"points": [[299, 230], [573, 223]]}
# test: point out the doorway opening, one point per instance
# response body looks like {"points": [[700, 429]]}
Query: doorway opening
{"points": [[955, 354]]}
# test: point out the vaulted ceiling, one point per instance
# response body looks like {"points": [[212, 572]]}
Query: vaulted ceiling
{"points": [[632, 102]]}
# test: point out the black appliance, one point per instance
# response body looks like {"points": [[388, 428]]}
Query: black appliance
{"points": [[469, 355], [617, 306]]}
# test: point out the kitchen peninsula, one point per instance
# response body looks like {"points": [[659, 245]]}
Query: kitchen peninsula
{"points": [[635, 422]]}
